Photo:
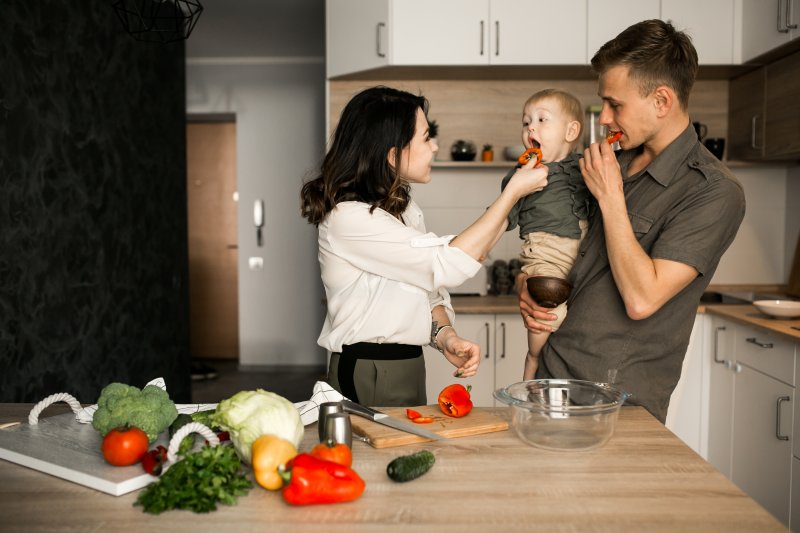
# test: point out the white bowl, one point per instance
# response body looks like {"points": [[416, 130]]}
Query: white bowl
{"points": [[511, 153], [778, 308]]}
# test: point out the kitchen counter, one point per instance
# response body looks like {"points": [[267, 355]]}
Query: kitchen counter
{"points": [[644, 479], [749, 315]]}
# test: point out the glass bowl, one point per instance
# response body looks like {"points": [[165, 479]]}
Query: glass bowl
{"points": [[563, 414]]}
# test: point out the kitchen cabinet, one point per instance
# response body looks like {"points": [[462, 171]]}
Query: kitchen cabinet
{"points": [[504, 342], [767, 24], [356, 35], [608, 18], [763, 111], [794, 519], [710, 24], [751, 398]]}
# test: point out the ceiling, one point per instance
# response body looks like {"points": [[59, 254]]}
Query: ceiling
{"points": [[259, 28]]}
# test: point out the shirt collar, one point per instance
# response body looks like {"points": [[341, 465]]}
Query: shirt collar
{"points": [[665, 166]]}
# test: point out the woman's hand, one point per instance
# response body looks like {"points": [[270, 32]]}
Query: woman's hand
{"points": [[530, 310], [528, 180], [463, 354]]}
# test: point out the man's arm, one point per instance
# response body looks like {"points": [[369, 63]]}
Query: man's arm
{"points": [[645, 284]]}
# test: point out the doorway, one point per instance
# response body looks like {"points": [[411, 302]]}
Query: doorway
{"points": [[213, 249]]}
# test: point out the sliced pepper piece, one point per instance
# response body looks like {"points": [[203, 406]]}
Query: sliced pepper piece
{"points": [[423, 420], [312, 480], [528, 154], [412, 414], [613, 136]]}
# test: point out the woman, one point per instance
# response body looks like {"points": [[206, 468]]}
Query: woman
{"points": [[384, 275]]}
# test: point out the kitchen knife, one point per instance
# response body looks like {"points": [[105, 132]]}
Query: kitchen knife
{"points": [[386, 420]]}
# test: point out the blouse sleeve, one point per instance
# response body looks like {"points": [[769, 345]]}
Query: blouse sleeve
{"points": [[382, 245]]}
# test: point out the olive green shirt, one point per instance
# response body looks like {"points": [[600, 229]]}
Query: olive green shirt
{"points": [[686, 207], [557, 208]]}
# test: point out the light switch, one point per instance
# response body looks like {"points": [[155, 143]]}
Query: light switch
{"points": [[256, 263]]}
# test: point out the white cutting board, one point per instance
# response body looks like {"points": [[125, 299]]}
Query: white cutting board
{"points": [[62, 447]]}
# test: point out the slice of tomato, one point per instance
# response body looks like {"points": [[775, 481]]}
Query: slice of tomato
{"points": [[412, 414], [422, 420]]}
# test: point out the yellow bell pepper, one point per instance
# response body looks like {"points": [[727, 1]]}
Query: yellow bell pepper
{"points": [[268, 454]]}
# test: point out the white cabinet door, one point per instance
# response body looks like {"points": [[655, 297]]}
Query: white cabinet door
{"points": [[720, 396], [762, 460], [709, 23], [608, 18], [356, 35], [512, 347], [439, 32], [537, 32], [683, 415], [794, 519], [439, 371], [764, 25]]}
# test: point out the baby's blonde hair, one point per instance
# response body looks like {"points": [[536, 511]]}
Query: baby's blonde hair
{"points": [[569, 103]]}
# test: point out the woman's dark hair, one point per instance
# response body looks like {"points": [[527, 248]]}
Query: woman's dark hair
{"points": [[356, 167], [655, 54]]}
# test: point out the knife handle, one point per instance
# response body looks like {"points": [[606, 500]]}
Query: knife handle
{"points": [[358, 409]]}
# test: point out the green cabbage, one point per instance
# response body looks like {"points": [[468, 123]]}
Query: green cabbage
{"points": [[249, 414]]}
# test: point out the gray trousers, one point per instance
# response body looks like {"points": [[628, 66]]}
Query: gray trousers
{"points": [[385, 383]]}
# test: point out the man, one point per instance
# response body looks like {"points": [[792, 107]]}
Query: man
{"points": [[668, 210]]}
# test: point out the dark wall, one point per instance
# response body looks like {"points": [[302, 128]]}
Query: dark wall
{"points": [[93, 262]]}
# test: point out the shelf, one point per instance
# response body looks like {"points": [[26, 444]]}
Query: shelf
{"points": [[473, 164]]}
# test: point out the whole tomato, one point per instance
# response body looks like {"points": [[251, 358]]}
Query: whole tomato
{"points": [[124, 446], [335, 452], [454, 400]]}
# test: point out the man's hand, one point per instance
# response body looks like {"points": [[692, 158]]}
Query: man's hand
{"points": [[601, 171], [530, 310], [463, 354]]}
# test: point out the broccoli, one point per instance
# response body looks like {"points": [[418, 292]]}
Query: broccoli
{"points": [[148, 409]]}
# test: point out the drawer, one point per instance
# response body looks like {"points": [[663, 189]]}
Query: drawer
{"points": [[766, 352]]}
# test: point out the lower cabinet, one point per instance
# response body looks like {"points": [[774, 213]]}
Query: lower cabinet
{"points": [[794, 521], [751, 399], [504, 342]]}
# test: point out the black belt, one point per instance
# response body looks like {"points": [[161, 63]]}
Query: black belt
{"points": [[369, 350]]}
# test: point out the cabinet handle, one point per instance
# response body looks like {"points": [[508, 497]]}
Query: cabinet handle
{"points": [[486, 325], [753, 144], [778, 435], [378, 32], [753, 340], [716, 345], [737, 368], [790, 15], [503, 328], [481, 37], [496, 37], [782, 28]]}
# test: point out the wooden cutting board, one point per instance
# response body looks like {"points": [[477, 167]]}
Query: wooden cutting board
{"points": [[478, 421]]}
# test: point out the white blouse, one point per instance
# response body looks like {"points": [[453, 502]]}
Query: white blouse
{"points": [[383, 277]]}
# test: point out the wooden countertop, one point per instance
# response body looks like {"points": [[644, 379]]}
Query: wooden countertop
{"points": [[644, 479], [749, 315]]}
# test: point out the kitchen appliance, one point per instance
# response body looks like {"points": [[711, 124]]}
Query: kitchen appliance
{"points": [[563, 414], [386, 420], [478, 421]]}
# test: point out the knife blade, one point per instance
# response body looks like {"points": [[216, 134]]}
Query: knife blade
{"points": [[386, 420]]}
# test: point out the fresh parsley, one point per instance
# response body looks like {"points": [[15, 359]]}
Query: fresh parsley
{"points": [[198, 482]]}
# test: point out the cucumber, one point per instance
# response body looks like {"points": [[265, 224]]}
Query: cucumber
{"points": [[408, 467]]}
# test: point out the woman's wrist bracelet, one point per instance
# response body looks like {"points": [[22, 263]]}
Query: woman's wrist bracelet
{"points": [[435, 333]]}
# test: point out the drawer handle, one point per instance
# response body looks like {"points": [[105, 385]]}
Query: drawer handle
{"points": [[716, 345], [378, 32], [753, 340], [503, 328], [486, 325], [778, 419], [482, 33]]}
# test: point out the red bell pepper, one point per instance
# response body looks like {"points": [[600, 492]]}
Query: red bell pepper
{"points": [[613, 136], [313, 480], [529, 154], [454, 400]]}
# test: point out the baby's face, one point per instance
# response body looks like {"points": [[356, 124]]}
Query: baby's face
{"points": [[546, 126]]}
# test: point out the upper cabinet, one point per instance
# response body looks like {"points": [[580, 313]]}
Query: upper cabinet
{"points": [[710, 24], [356, 35], [608, 18], [767, 24]]}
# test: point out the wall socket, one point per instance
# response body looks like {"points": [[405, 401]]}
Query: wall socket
{"points": [[256, 263]]}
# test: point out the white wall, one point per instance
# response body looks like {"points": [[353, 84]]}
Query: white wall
{"points": [[279, 108], [761, 253]]}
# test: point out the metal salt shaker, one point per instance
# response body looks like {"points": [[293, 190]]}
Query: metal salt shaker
{"points": [[326, 409], [337, 429]]}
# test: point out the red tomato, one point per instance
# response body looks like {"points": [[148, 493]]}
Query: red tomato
{"points": [[124, 446]]}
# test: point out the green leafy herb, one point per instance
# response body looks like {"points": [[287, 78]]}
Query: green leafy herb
{"points": [[198, 482]]}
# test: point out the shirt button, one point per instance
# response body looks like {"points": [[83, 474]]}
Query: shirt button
{"points": [[583, 253]]}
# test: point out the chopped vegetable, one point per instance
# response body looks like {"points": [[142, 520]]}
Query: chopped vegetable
{"points": [[333, 451], [613, 136], [249, 414], [423, 420], [124, 446], [408, 467], [454, 400], [148, 409], [313, 480], [269, 454], [528, 154], [197, 483], [412, 414]]}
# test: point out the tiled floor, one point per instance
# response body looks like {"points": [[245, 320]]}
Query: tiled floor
{"points": [[293, 383]]}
